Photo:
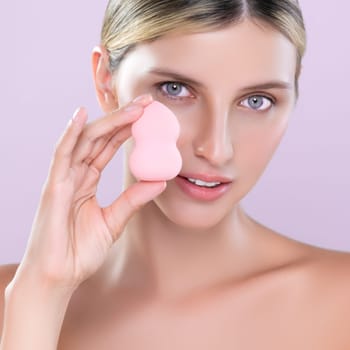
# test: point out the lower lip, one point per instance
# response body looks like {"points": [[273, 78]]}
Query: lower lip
{"points": [[202, 193]]}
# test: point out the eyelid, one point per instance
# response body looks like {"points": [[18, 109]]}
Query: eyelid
{"points": [[174, 82], [260, 94]]}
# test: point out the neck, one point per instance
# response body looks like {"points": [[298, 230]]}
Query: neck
{"points": [[170, 261]]}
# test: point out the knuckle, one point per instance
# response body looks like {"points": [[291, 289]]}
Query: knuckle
{"points": [[114, 224], [88, 136], [58, 151], [88, 132], [94, 171], [131, 203], [51, 189]]}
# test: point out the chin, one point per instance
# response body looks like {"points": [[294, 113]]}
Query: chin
{"points": [[188, 213], [193, 215]]}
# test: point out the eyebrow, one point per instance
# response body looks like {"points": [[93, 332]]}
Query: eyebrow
{"points": [[274, 84], [176, 76]]}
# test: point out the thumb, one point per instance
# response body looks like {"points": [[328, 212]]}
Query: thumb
{"points": [[133, 198]]}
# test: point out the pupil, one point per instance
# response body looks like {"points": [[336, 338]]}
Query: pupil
{"points": [[173, 88], [256, 101]]}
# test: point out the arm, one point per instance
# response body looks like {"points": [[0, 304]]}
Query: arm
{"points": [[71, 234], [33, 314]]}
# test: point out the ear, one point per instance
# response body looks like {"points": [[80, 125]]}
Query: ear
{"points": [[103, 80]]}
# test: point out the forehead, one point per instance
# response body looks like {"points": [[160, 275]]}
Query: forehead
{"points": [[240, 51]]}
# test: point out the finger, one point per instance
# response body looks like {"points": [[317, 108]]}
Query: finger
{"points": [[98, 147], [100, 162], [60, 164], [99, 129], [103, 127], [102, 143], [121, 210]]}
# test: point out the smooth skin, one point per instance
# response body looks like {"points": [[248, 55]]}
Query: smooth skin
{"points": [[158, 269]]}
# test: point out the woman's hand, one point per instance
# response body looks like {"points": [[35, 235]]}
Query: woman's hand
{"points": [[71, 234]]}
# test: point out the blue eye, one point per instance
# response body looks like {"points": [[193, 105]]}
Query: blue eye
{"points": [[174, 90], [258, 102]]}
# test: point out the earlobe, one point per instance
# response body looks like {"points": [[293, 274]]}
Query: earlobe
{"points": [[103, 79]]}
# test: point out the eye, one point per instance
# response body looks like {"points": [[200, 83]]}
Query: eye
{"points": [[258, 102], [174, 90]]}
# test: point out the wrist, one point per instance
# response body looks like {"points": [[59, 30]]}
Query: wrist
{"points": [[34, 312], [28, 279]]}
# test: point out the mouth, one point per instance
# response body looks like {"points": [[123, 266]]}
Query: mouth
{"points": [[202, 183], [203, 187]]}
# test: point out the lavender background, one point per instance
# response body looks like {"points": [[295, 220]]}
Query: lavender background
{"points": [[46, 74]]}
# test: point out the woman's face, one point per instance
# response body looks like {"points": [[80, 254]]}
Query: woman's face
{"points": [[232, 91]]}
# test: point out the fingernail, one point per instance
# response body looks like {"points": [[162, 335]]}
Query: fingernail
{"points": [[79, 116], [133, 108], [71, 120], [75, 113], [143, 98]]}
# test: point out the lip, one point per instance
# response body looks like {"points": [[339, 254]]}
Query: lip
{"points": [[205, 194], [207, 177]]}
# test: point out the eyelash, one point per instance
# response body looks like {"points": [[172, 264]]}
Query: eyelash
{"points": [[174, 98], [160, 85], [257, 94]]}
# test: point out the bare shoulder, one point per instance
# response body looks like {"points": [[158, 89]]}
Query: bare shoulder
{"points": [[313, 295], [330, 269], [326, 296], [7, 272]]}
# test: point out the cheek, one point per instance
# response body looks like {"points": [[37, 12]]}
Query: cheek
{"points": [[255, 148], [189, 128], [127, 90]]}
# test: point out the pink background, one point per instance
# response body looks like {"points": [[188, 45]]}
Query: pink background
{"points": [[46, 74]]}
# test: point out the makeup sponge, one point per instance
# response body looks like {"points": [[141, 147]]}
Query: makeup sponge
{"points": [[155, 156]]}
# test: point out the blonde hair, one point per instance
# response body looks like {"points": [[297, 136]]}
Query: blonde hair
{"points": [[129, 22]]}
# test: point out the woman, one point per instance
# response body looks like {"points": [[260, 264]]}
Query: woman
{"points": [[178, 265]]}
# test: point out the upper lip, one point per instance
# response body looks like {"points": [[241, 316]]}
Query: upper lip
{"points": [[207, 177]]}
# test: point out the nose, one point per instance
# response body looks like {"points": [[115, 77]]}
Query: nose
{"points": [[213, 139]]}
